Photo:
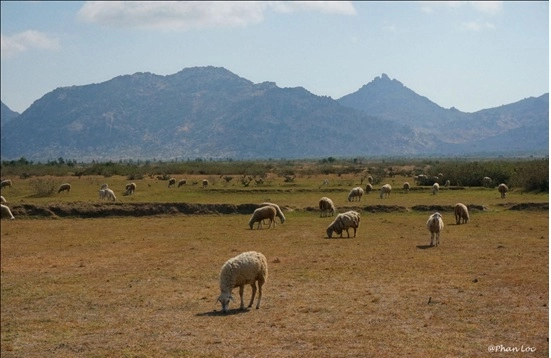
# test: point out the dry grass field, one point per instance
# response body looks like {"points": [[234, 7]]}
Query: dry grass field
{"points": [[147, 286]]}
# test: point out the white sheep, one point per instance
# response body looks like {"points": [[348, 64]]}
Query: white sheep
{"points": [[356, 192], [108, 194], [101, 194], [279, 213], [244, 269], [64, 187], [2, 199], [435, 188], [487, 182], [6, 212], [435, 225], [5, 183], [171, 182], [130, 188], [502, 188], [265, 212], [104, 186], [385, 191], [461, 213], [368, 188], [327, 207], [447, 184], [182, 182], [205, 183], [406, 187], [344, 221]]}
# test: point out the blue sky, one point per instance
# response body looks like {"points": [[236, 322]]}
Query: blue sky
{"points": [[469, 55]]}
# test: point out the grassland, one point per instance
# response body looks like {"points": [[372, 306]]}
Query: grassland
{"points": [[124, 286]]}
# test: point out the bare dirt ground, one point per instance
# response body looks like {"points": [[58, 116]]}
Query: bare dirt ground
{"points": [[146, 286]]}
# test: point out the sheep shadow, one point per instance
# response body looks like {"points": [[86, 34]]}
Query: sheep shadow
{"points": [[216, 313], [424, 247]]}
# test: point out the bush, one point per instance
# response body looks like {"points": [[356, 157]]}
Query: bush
{"points": [[42, 186]]}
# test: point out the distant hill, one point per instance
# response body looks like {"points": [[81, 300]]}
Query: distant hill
{"points": [[209, 112], [6, 114]]}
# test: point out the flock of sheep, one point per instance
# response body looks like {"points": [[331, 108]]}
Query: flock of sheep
{"points": [[251, 268]]}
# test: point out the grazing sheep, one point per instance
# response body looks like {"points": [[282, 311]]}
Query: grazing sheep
{"points": [[406, 187], [171, 182], [447, 184], [182, 182], [64, 187], [368, 188], [325, 182], [5, 183], [205, 183], [502, 188], [344, 221], [278, 209], [130, 188], [461, 213], [435, 225], [385, 191], [356, 192], [327, 207], [244, 269], [435, 188], [6, 212], [2, 199], [487, 182], [108, 194], [265, 212], [370, 179]]}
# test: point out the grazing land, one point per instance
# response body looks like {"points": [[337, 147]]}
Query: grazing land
{"points": [[113, 284]]}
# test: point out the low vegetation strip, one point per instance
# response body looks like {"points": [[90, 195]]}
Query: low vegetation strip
{"points": [[99, 210]]}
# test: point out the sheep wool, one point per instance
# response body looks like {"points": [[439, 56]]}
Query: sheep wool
{"points": [[461, 213], [5, 210], [265, 212], [435, 225], [385, 191], [246, 268], [64, 187], [278, 209], [502, 188], [355, 194], [327, 207], [344, 221]]}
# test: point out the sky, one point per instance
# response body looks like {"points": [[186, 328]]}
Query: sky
{"points": [[467, 55]]}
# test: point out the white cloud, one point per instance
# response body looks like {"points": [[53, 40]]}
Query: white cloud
{"points": [[476, 26], [183, 15], [486, 7], [28, 40]]}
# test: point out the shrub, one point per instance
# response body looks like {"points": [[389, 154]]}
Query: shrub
{"points": [[42, 186]]}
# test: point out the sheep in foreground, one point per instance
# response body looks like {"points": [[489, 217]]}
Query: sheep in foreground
{"points": [[344, 221], [502, 188], [265, 212], [279, 213], [356, 192], [182, 182], [5, 183], [64, 187], [435, 188], [327, 207], [461, 213], [171, 182], [385, 191], [406, 187], [435, 225], [244, 269], [6, 212], [130, 188]]}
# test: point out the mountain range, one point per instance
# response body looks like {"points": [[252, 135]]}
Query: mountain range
{"points": [[210, 112]]}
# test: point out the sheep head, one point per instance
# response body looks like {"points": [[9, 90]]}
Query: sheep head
{"points": [[225, 299]]}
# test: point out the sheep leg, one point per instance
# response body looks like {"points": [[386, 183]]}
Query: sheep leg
{"points": [[241, 289], [354, 232], [260, 283], [253, 286]]}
